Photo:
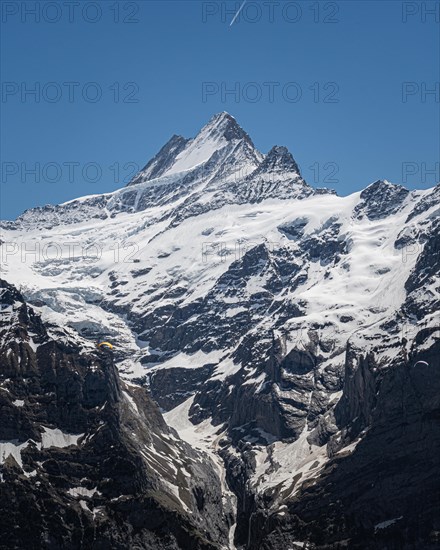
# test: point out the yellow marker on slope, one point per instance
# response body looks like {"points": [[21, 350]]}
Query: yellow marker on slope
{"points": [[105, 345]]}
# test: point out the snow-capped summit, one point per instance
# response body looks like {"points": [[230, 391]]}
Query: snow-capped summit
{"points": [[220, 140], [219, 166], [223, 125]]}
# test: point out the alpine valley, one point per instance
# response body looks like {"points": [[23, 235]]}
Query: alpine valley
{"points": [[274, 381]]}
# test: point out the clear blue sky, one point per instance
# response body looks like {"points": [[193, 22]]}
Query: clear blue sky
{"points": [[366, 49]]}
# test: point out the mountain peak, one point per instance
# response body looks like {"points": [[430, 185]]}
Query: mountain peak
{"points": [[279, 157], [383, 189], [381, 199], [383, 184], [223, 124], [278, 162], [181, 155], [222, 116]]}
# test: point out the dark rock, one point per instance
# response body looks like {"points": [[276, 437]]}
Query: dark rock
{"points": [[380, 199], [111, 486]]}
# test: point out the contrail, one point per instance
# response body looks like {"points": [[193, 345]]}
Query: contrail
{"points": [[237, 14]]}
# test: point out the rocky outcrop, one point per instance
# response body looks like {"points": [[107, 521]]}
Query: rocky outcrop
{"points": [[380, 199], [162, 161], [423, 284], [382, 491], [87, 461]]}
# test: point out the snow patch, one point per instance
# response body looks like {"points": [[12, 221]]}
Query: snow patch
{"points": [[82, 492], [57, 438], [385, 524]]}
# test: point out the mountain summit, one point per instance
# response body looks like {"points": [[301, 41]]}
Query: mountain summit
{"points": [[219, 166], [221, 140], [224, 125]]}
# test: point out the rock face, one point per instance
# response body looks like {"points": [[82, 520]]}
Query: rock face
{"points": [[88, 461], [163, 161], [380, 199], [382, 491], [279, 328]]}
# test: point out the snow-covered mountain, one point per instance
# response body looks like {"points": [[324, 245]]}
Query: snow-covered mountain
{"points": [[276, 325]]}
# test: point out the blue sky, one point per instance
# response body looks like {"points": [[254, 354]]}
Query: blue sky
{"points": [[350, 89]]}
